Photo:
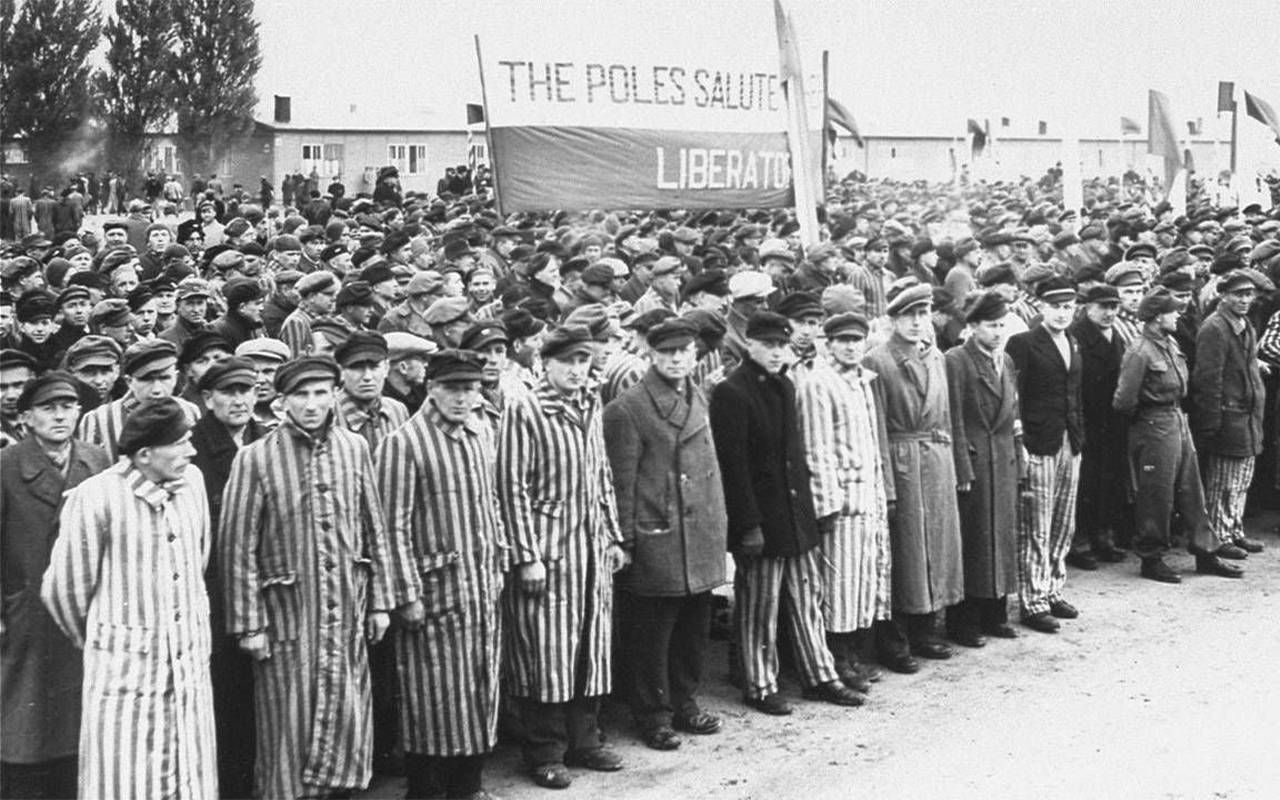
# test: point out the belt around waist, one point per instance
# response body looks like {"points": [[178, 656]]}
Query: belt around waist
{"points": [[921, 436]]}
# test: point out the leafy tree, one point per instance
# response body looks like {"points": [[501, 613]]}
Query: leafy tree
{"points": [[215, 61], [45, 77], [135, 91]]}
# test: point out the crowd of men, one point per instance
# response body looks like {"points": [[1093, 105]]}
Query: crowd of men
{"points": [[291, 491]]}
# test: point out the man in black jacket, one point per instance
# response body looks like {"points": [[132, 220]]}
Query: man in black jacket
{"points": [[1103, 514], [773, 532], [1048, 363]]}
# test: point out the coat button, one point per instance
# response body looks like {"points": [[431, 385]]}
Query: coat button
{"points": [[322, 487], [326, 525], [171, 537]]}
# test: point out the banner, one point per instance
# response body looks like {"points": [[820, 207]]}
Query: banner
{"points": [[642, 122]]}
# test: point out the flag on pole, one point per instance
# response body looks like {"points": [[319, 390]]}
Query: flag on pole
{"points": [[979, 137], [838, 114], [1162, 137], [475, 113], [804, 183], [1262, 111], [1129, 125], [1226, 96]]}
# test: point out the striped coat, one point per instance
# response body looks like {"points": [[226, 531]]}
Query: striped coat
{"points": [[373, 421], [102, 426], [125, 582], [623, 371], [556, 493], [847, 447], [437, 484], [295, 331], [305, 557]]}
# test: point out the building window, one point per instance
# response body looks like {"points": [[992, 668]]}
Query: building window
{"points": [[312, 152], [410, 159]]}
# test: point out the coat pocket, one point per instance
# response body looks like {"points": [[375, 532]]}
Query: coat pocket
{"points": [[441, 584], [548, 521], [283, 606], [114, 638]]}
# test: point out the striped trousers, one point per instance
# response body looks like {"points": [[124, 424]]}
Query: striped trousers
{"points": [[1046, 526], [762, 584], [1226, 486]]}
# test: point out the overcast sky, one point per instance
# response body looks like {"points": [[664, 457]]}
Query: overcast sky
{"points": [[910, 66]]}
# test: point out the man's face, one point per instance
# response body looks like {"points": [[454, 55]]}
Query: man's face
{"points": [[402, 254], [495, 361], [288, 259], [79, 263], [265, 386], [153, 385], [847, 348], [208, 214], [76, 312], [363, 380], [6, 319], [388, 290], [593, 252], [144, 319], [1239, 301], [674, 363], [168, 462], [412, 371], [357, 313], [124, 280], [252, 310], [102, 377], [989, 334], [914, 323], [667, 284], [38, 330], [803, 331], [232, 406], [568, 373], [770, 354], [929, 260], [158, 240], [1057, 316], [53, 422], [322, 302], [454, 399], [877, 256], [197, 368], [115, 236], [1130, 296], [193, 309], [1102, 314], [481, 288], [1168, 321], [313, 248], [166, 302], [12, 380], [309, 404]]}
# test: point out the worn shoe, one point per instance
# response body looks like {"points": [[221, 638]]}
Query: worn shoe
{"points": [[852, 678], [699, 723], [834, 692], [1111, 555], [1249, 545], [1157, 570], [1082, 560], [968, 637], [1213, 565], [771, 704], [600, 759], [1043, 622], [1063, 610], [1231, 551], [932, 649], [551, 776], [662, 737], [1002, 630], [901, 662]]}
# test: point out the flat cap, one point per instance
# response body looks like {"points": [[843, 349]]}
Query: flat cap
{"points": [[150, 355], [711, 281], [227, 374], [909, 298], [750, 283], [401, 345], [1140, 250], [288, 277], [767, 326], [1101, 293], [319, 281], [294, 374], [450, 366], [840, 298], [286, 243], [799, 305], [156, 424], [35, 304], [566, 341], [446, 310], [671, 333], [483, 334], [11, 358], [1156, 302], [520, 324], [241, 290], [356, 293], [375, 274], [47, 388], [193, 287], [202, 342], [846, 324], [1055, 289], [110, 313], [1124, 273], [666, 265], [993, 274], [93, 349], [598, 275], [264, 348], [985, 307], [361, 347], [425, 282], [139, 297], [227, 260], [1236, 280], [596, 318]]}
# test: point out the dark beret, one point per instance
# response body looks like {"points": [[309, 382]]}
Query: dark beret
{"points": [[140, 296], [672, 333], [520, 324], [200, 343], [241, 290], [35, 304], [568, 340], [993, 274], [768, 326], [1234, 281], [377, 273], [643, 322], [1103, 293], [361, 346], [921, 246], [10, 358], [598, 275], [356, 293], [1179, 282], [455, 365], [1156, 302], [985, 307], [711, 281], [156, 424]]}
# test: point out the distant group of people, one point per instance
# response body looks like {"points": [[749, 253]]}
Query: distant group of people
{"points": [[293, 492]]}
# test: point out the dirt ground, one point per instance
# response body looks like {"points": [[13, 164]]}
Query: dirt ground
{"points": [[1156, 691]]}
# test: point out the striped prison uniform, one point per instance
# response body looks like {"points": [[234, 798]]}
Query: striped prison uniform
{"points": [[1226, 487], [126, 583], [555, 488], [305, 558], [1047, 519], [437, 481], [295, 331], [846, 447], [762, 587], [1127, 326], [874, 285], [373, 420], [102, 426], [621, 372]]}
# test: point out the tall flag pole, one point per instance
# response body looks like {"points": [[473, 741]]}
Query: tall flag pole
{"points": [[1227, 102], [1162, 137], [792, 75]]}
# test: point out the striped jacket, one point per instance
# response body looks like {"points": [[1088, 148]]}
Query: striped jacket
{"points": [[621, 372], [555, 487], [102, 426], [372, 421], [295, 331], [437, 482], [125, 582], [305, 557]]}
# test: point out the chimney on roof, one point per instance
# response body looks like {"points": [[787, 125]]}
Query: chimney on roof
{"points": [[283, 109]]}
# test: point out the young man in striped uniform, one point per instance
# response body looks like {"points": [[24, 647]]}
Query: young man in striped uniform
{"points": [[126, 583], [437, 481], [773, 533], [309, 575], [556, 494], [151, 370]]}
